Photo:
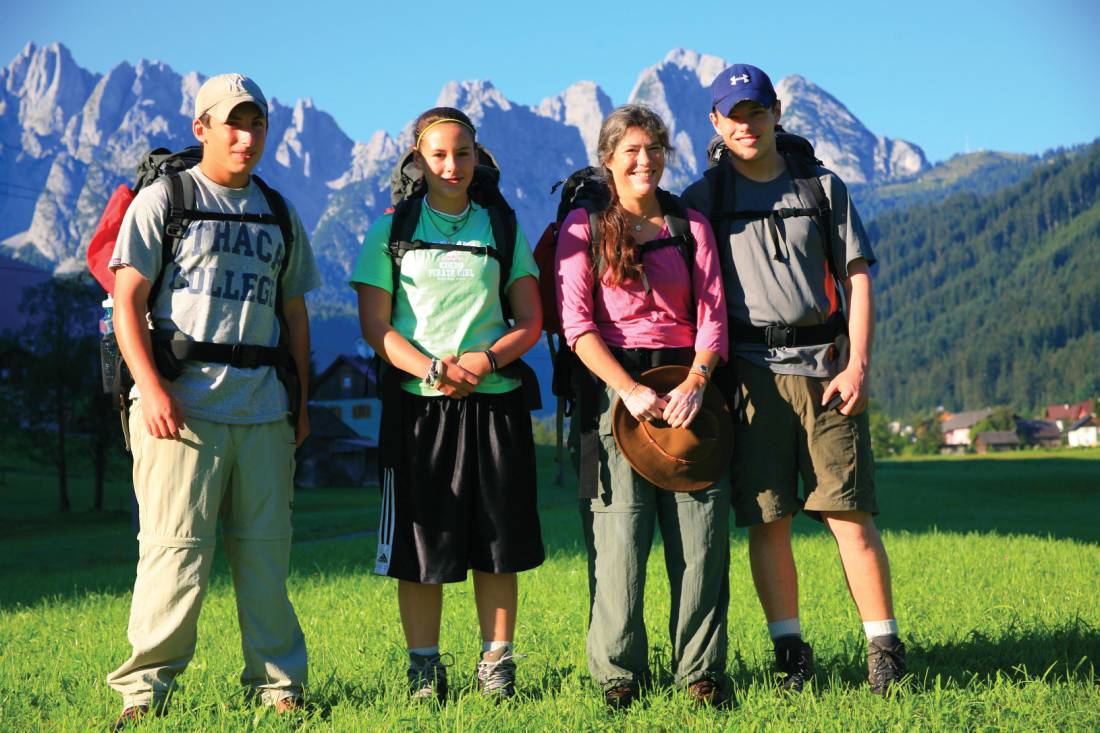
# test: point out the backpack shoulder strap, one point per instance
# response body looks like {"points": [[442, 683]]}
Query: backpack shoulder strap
{"points": [[277, 205], [502, 219], [406, 215], [279, 209], [809, 188], [679, 227], [181, 199], [723, 202], [595, 250]]}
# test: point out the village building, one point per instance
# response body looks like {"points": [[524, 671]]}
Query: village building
{"points": [[1039, 433], [1085, 433], [995, 441], [1067, 414], [956, 429], [345, 412]]}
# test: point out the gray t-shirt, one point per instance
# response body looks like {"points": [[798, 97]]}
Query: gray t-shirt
{"points": [[785, 279], [221, 288]]}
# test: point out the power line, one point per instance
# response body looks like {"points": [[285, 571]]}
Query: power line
{"points": [[34, 270], [9, 184], [23, 197]]}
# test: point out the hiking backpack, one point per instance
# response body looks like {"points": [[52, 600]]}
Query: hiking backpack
{"points": [[407, 192], [587, 189], [802, 163], [168, 355]]}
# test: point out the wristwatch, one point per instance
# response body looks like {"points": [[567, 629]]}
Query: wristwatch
{"points": [[432, 377], [702, 370]]}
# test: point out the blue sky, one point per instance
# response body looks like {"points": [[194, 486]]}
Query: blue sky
{"points": [[949, 76]]}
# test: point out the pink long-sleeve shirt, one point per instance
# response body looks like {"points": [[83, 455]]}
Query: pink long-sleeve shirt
{"points": [[629, 317]]}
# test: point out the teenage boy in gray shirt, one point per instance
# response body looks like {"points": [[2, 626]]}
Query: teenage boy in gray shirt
{"points": [[213, 441], [793, 349]]}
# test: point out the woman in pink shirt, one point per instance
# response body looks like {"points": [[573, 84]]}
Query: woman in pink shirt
{"points": [[633, 298]]}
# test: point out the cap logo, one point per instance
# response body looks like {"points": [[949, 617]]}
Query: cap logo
{"points": [[235, 85], [734, 80]]}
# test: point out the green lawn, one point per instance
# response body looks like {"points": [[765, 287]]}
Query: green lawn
{"points": [[996, 569]]}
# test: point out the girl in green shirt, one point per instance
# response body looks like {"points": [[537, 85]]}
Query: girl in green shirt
{"points": [[458, 459]]}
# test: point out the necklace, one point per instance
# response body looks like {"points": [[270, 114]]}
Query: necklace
{"points": [[642, 220], [444, 224]]}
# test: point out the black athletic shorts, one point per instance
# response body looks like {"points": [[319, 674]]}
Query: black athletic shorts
{"points": [[463, 493]]}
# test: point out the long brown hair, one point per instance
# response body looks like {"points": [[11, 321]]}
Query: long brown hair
{"points": [[616, 241]]}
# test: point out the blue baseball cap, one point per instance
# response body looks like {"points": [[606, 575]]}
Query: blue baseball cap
{"points": [[738, 83]]}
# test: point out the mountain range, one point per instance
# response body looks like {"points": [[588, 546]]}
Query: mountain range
{"points": [[68, 137]]}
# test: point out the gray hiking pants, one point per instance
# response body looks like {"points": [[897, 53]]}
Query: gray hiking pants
{"points": [[618, 527]]}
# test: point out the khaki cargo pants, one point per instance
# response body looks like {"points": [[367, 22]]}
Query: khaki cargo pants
{"points": [[242, 475]]}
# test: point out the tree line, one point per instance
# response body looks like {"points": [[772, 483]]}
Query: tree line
{"points": [[992, 299]]}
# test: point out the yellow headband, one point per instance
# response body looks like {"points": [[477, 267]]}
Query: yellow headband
{"points": [[440, 122]]}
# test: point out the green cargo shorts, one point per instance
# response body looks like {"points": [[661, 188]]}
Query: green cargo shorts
{"points": [[783, 433]]}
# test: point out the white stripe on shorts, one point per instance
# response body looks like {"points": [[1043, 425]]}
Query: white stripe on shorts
{"points": [[385, 526]]}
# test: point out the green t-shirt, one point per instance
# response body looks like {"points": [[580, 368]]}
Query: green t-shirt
{"points": [[447, 302]]}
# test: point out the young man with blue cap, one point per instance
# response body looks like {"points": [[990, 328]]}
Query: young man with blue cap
{"points": [[798, 294]]}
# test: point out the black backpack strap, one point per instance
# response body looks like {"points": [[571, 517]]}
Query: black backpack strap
{"points": [[406, 215], [722, 199], [181, 208], [502, 219], [277, 205], [679, 227], [809, 188], [595, 250]]}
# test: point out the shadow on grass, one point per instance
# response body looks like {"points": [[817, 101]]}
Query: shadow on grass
{"points": [[1051, 655], [1041, 496]]}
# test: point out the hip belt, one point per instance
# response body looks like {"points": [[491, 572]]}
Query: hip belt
{"points": [[780, 335]]}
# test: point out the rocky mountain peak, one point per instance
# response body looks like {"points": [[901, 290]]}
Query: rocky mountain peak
{"points": [[582, 105], [840, 138], [50, 89], [678, 89], [705, 66], [472, 97]]}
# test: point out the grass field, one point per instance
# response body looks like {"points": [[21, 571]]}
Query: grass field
{"points": [[996, 571]]}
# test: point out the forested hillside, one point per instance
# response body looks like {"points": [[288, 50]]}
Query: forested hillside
{"points": [[982, 173], [987, 300]]}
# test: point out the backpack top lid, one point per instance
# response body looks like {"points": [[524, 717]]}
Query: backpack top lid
{"points": [[407, 180], [162, 162], [788, 144], [585, 188]]}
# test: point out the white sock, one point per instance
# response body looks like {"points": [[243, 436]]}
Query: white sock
{"points": [[889, 627], [786, 627], [492, 646], [424, 651]]}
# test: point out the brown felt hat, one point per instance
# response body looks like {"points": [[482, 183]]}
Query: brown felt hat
{"points": [[677, 459]]}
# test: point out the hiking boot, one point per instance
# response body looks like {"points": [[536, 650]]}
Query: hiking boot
{"points": [[794, 661], [496, 673], [427, 678], [708, 693], [131, 715], [292, 704], [885, 663], [620, 697]]}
